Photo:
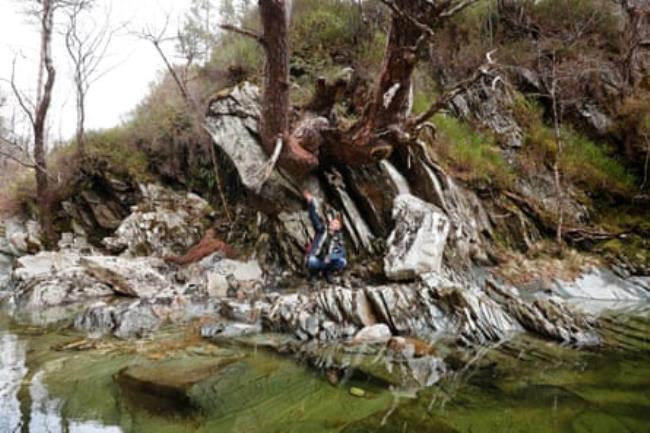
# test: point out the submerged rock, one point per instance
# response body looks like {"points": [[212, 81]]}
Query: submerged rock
{"points": [[417, 243], [168, 383]]}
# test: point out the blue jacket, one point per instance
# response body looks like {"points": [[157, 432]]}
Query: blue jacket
{"points": [[325, 244]]}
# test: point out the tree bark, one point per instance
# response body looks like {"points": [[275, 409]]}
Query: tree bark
{"points": [[42, 107], [274, 123]]}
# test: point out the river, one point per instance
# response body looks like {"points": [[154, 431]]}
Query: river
{"points": [[52, 380]]}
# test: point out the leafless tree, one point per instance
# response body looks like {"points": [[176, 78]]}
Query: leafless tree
{"points": [[87, 41], [37, 111], [157, 37]]}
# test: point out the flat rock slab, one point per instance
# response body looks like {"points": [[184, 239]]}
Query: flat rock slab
{"points": [[170, 381], [602, 284]]}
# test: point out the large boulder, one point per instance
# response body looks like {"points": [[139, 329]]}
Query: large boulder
{"points": [[417, 243], [163, 223], [141, 277], [220, 277], [50, 279]]}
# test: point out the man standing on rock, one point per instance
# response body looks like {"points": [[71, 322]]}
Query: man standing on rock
{"points": [[326, 253]]}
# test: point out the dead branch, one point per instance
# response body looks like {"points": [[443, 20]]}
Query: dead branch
{"points": [[244, 32], [427, 30], [267, 169], [457, 8], [442, 102], [19, 97]]}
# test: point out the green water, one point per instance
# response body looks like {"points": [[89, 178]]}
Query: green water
{"points": [[525, 385]]}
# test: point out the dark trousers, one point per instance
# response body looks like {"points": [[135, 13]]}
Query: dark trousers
{"points": [[315, 265]]}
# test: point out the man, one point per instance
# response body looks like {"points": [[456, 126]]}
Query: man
{"points": [[326, 253]]}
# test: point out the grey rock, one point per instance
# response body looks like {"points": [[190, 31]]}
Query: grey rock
{"points": [[66, 286], [141, 277], [489, 103], [163, 223], [595, 118], [379, 332], [417, 243], [219, 277], [232, 122], [602, 284]]}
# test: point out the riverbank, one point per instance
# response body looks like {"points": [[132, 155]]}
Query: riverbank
{"points": [[56, 380]]}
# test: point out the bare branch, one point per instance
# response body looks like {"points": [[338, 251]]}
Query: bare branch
{"points": [[458, 7], [450, 94], [396, 10], [10, 156], [244, 32], [18, 94]]}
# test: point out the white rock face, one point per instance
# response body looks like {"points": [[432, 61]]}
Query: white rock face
{"points": [[141, 277], [17, 238], [43, 264], [417, 243], [228, 272], [217, 275], [601, 284], [380, 332], [49, 279], [233, 125], [164, 223]]}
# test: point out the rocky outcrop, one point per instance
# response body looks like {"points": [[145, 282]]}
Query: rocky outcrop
{"points": [[490, 103], [142, 317], [141, 277], [163, 223], [364, 196], [50, 279], [433, 307], [417, 243]]}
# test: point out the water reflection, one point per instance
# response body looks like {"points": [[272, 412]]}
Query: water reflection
{"points": [[541, 386], [25, 404], [12, 371]]}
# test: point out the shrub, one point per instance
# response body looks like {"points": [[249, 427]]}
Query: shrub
{"points": [[114, 148], [593, 165], [473, 156]]}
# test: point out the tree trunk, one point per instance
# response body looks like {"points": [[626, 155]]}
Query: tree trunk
{"points": [[381, 127], [274, 123], [42, 107], [81, 116]]}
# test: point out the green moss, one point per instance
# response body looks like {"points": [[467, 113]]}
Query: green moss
{"points": [[472, 155]]}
